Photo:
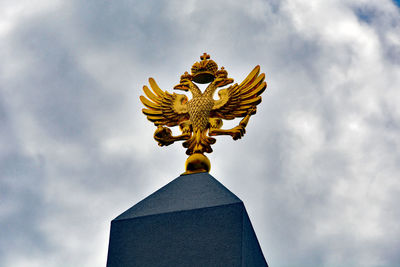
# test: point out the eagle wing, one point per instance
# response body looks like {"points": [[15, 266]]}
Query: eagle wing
{"points": [[239, 100], [164, 108]]}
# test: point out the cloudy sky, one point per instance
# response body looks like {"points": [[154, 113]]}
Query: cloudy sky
{"points": [[319, 167]]}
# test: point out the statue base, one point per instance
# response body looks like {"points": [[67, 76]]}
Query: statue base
{"points": [[192, 221]]}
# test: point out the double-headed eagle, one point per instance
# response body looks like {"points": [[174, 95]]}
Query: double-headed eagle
{"points": [[201, 117]]}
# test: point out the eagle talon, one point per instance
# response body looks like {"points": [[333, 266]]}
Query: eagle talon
{"points": [[163, 136], [238, 132]]}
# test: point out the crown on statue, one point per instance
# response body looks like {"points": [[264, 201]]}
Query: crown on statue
{"points": [[205, 70], [222, 73], [186, 76]]}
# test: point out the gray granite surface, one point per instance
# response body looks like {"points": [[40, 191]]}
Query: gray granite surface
{"points": [[192, 221]]}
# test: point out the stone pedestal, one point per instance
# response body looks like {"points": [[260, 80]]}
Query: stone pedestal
{"points": [[192, 221]]}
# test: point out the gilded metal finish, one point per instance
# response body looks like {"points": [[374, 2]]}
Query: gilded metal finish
{"points": [[200, 118]]}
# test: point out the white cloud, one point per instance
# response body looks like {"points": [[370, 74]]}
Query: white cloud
{"points": [[320, 165]]}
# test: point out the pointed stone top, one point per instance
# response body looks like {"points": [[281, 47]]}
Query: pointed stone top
{"points": [[186, 192]]}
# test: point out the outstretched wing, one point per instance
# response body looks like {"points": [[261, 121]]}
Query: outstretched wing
{"points": [[239, 100], [164, 108]]}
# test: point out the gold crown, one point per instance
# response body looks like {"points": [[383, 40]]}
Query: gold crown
{"points": [[222, 73], [186, 76], [205, 70]]}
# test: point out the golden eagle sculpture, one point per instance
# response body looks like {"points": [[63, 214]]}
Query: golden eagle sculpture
{"points": [[200, 118]]}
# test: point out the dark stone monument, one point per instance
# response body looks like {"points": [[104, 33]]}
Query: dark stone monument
{"points": [[192, 221]]}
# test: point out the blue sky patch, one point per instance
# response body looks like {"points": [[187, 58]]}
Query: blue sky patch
{"points": [[365, 14]]}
